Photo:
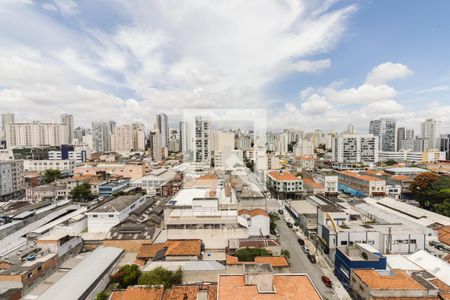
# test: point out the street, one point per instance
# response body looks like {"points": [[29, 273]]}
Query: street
{"points": [[299, 261]]}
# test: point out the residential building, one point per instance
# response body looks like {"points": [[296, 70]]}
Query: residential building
{"points": [[122, 139], [357, 256], [421, 144], [355, 149], [184, 137], [202, 138], [405, 139], [307, 162], [258, 222], [101, 141], [67, 120], [36, 133], [331, 184], [386, 131], [162, 125], [54, 191], [444, 145], [284, 183], [7, 118], [77, 153], [111, 213], [303, 148], [138, 131], [156, 145], [312, 186], [171, 250], [153, 182], [432, 155], [12, 181], [259, 281], [431, 130]]}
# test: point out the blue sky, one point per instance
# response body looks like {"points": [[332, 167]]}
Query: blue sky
{"points": [[311, 64]]}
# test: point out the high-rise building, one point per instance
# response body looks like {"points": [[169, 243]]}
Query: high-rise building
{"points": [[405, 139], [32, 134], [202, 140], [155, 141], [350, 129], [444, 145], [122, 138], [355, 148], [431, 129], [386, 131], [101, 141], [421, 144], [162, 125], [67, 120], [184, 137], [283, 143], [7, 118], [138, 136]]}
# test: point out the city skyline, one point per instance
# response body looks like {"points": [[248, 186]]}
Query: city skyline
{"points": [[321, 64]]}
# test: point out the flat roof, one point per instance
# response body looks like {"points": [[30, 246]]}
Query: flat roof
{"points": [[287, 286], [391, 280], [117, 204], [360, 176], [303, 207], [191, 265], [406, 170], [184, 197], [432, 264], [80, 279]]}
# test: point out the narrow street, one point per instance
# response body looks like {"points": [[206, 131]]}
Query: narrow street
{"points": [[299, 261]]}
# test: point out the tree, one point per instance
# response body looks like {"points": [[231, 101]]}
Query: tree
{"points": [[81, 192], [286, 253], [249, 254], [424, 181], [444, 208], [273, 218], [390, 162], [102, 296], [51, 175], [127, 275], [161, 276]]}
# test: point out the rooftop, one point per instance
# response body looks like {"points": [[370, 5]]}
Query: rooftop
{"points": [[274, 261], [117, 204], [392, 280], [138, 293], [283, 176], [253, 212], [360, 176], [314, 184], [286, 286], [173, 248], [185, 196]]}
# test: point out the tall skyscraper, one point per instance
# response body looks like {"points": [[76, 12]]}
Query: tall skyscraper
{"points": [[162, 125], [184, 137], [100, 137], [122, 138], [431, 130], [386, 131], [155, 142], [67, 120], [405, 139], [7, 118], [31, 134], [138, 136], [202, 141]]}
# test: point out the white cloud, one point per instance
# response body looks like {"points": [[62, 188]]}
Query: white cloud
{"points": [[387, 72], [364, 93]]}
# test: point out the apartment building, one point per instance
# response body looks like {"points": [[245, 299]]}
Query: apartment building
{"points": [[284, 183], [65, 166], [386, 131], [12, 180], [368, 185], [355, 148], [36, 133]]}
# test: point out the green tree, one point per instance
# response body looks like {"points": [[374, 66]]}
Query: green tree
{"points": [[249, 254], [81, 192], [102, 296], [286, 253], [444, 208], [273, 218], [390, 162], [126, 276], [51, 175], [161, 276]]}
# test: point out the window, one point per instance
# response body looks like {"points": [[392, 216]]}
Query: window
{"points": [[343, 243], [111, 216], [94, 216], [413, 242]]}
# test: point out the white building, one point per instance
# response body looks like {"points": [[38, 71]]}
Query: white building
{"points": [[66, 166], [106, 216], [331, 184], [404, 155], [162, 125], [156, 145], [152, 182], [60, 242], [202, 142], [101, 140], [36, 133], [304, 148], [355, 148], [258, 222], [67, 120], [431, 129]]}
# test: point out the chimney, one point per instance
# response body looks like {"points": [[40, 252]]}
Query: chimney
{"points": [[260, 275]]}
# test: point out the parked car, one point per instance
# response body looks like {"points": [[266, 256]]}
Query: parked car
{"points": [[280, 211], [306, 250], [327, 281], [277, 233], [301, 242], [289, 224], [312, 258]]}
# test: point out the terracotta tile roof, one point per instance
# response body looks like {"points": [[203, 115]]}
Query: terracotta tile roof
{"points": [[287, 287], [444, 235], [305, 158], [397, 280], [275, 261], [212, 292], [207, 177], [188, 292], [375, 172], [183, 247], [253, 212], [312, 183], [359, 176], [283, 176], [440, 285], [149, 250], [138, 293], [447, 258], [445, 296], [401, 178]]}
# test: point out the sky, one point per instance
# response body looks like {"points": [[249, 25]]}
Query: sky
{"points": [[311, 64]]}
